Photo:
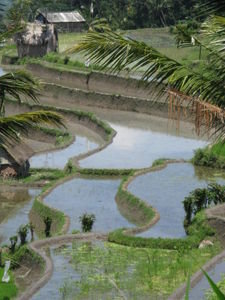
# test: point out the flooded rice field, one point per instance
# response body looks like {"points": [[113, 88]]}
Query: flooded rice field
{"points": [[63, 273], [15, 204], [92, 196], [58, 159], [166, 189]]}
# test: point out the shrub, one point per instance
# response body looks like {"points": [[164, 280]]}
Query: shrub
{"points": [[200, 199], [13, 242], [87, 222], [213, 157], [48, 224], [23, 231]]}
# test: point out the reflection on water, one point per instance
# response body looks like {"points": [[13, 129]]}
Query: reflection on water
{"points": [[59, 158], [165, 190], [78, 196], [15, 204], [138, 148]]}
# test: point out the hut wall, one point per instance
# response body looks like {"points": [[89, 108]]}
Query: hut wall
{"points": [[31, 50], [70, 27]]}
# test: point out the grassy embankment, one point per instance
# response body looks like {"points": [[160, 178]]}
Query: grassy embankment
{"points": [[212, 156]]}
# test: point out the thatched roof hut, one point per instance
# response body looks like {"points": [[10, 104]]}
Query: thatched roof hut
{"points": [[14, 160], [37, 40], [71, 21]]}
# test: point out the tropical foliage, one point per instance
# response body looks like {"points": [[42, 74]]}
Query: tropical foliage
{"points": [[20, 86], [200, 199], [202, 85], [125, 14]]}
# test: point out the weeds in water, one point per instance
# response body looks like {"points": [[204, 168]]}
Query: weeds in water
{"points": [[129, 273], [23, 232], [87, 222]]}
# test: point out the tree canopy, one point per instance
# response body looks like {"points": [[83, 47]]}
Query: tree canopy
{"points": [[124, 14]]}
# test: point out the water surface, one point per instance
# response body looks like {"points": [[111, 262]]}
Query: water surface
{"points": [[138, 148], [216, 273], [93, 196], [59, 158], [63, 273], [166, 189], [15, 205]]}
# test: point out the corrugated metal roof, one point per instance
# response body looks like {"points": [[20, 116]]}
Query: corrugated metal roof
{"points": [[64, 17]]}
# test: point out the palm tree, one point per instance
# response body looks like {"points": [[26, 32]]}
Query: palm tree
{"points": [[17, 85], [202, 86], [20, 85]]}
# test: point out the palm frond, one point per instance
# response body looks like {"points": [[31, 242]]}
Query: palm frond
{"points": [[20, 83], [212, 7], [115, 53], [12, 127]]}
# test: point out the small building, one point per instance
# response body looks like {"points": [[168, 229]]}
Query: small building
{"points": [[64, 21], [37, 40], [14, 162]]}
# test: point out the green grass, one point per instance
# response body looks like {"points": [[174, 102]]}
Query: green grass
{"points": [[218, 149], [7, 290], [112, 270], [198, 231], [133, 208], [211, 156]]}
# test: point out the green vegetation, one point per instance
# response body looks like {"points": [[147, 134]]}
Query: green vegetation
{"points": [[63, 138], [42, 212], [159, 162], [134, 273], [7, 290], [201, 86], [80, 115], [21, 255], [106, 172], [211, 295], [198, 231], [213, 157], [133, 208], [200, 199], [120, 13], [87, 222], [18, 85]]}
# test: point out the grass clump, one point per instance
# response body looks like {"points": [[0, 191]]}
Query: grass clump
{"points": [[106, 172], [159, 162], [213, 157]]}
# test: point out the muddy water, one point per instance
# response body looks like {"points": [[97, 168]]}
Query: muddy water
{"points": [[59, 158], [166, 189], [199, 291], [15, 204], [80, 196]]}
